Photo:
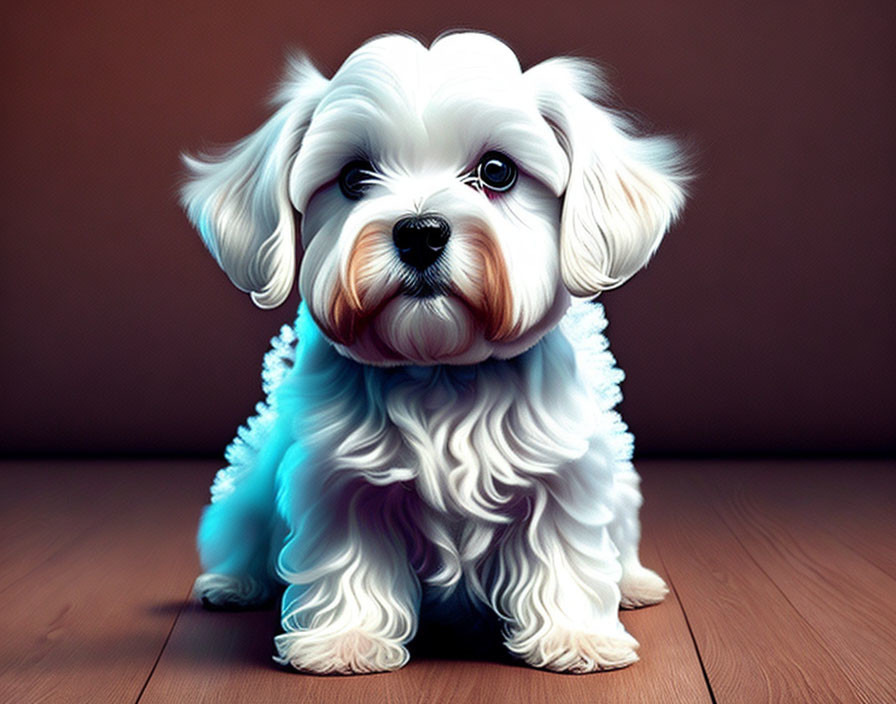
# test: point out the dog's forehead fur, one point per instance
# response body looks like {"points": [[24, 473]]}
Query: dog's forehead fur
{"points": [[409, 108], [475, 65]]}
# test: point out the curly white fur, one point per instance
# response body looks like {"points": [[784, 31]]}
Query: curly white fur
{"points": [[464, 439]]}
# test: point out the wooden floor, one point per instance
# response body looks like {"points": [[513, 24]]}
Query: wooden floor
{"points": [[783, 578]]}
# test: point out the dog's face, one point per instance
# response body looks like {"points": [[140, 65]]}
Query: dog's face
{"points": [[430, 188], [449, 201]]}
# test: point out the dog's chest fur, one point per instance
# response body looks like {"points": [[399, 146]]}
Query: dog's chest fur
{"points": [[470, 441]]}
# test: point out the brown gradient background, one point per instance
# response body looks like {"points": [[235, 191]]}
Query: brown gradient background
{"points": [[765, 324]]}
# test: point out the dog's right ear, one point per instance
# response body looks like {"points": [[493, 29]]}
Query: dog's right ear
{"points": [[238, 198]]}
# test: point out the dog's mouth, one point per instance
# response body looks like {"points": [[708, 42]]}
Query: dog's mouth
{"points": [[429, 283]]}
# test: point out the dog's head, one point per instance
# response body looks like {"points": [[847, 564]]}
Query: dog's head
{"points": [[449, 202]]}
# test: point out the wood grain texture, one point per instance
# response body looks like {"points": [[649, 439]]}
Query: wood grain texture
{"points": [[791, 521], [782, 605], [783, 576], [95, 563], [226, 657]]}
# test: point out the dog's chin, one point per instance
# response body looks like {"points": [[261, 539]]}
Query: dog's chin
{"points": [[439, 328], [422, 330], [411, 329]]}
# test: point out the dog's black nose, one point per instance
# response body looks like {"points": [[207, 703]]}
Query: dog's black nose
{"points": [[421, 239]]}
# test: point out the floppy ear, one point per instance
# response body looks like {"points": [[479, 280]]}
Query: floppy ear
{"points": [[238, 199], [624, 190]]}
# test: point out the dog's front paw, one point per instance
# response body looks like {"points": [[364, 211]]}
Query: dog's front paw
{"points": [[641, 587], [224, 591], [351, 652], [577, 651]]}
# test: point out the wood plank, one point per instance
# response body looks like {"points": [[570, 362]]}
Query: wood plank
{"points": [[97, 559], [789, 520], [749, 587], [226, 657], [784, 571], [852, 501]]}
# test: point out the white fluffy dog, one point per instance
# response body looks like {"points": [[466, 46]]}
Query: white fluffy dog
{"points": [[440, 417]]}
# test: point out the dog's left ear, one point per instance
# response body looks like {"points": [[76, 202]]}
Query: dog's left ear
{"points": [[624, 190], [239, 200]]}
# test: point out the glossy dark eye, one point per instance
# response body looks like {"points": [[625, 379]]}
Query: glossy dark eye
{"points": [[354, 179], [496, 171]]}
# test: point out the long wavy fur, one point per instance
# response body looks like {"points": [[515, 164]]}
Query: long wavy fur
{"points": [[456, 443]]}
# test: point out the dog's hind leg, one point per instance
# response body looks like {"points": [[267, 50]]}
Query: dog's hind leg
{"points": [[639, 586], [235, 532], [234, 539], [240, 528]]}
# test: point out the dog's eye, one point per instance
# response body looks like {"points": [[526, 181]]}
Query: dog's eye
{"points": [[496, 171], [354, 179]]}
